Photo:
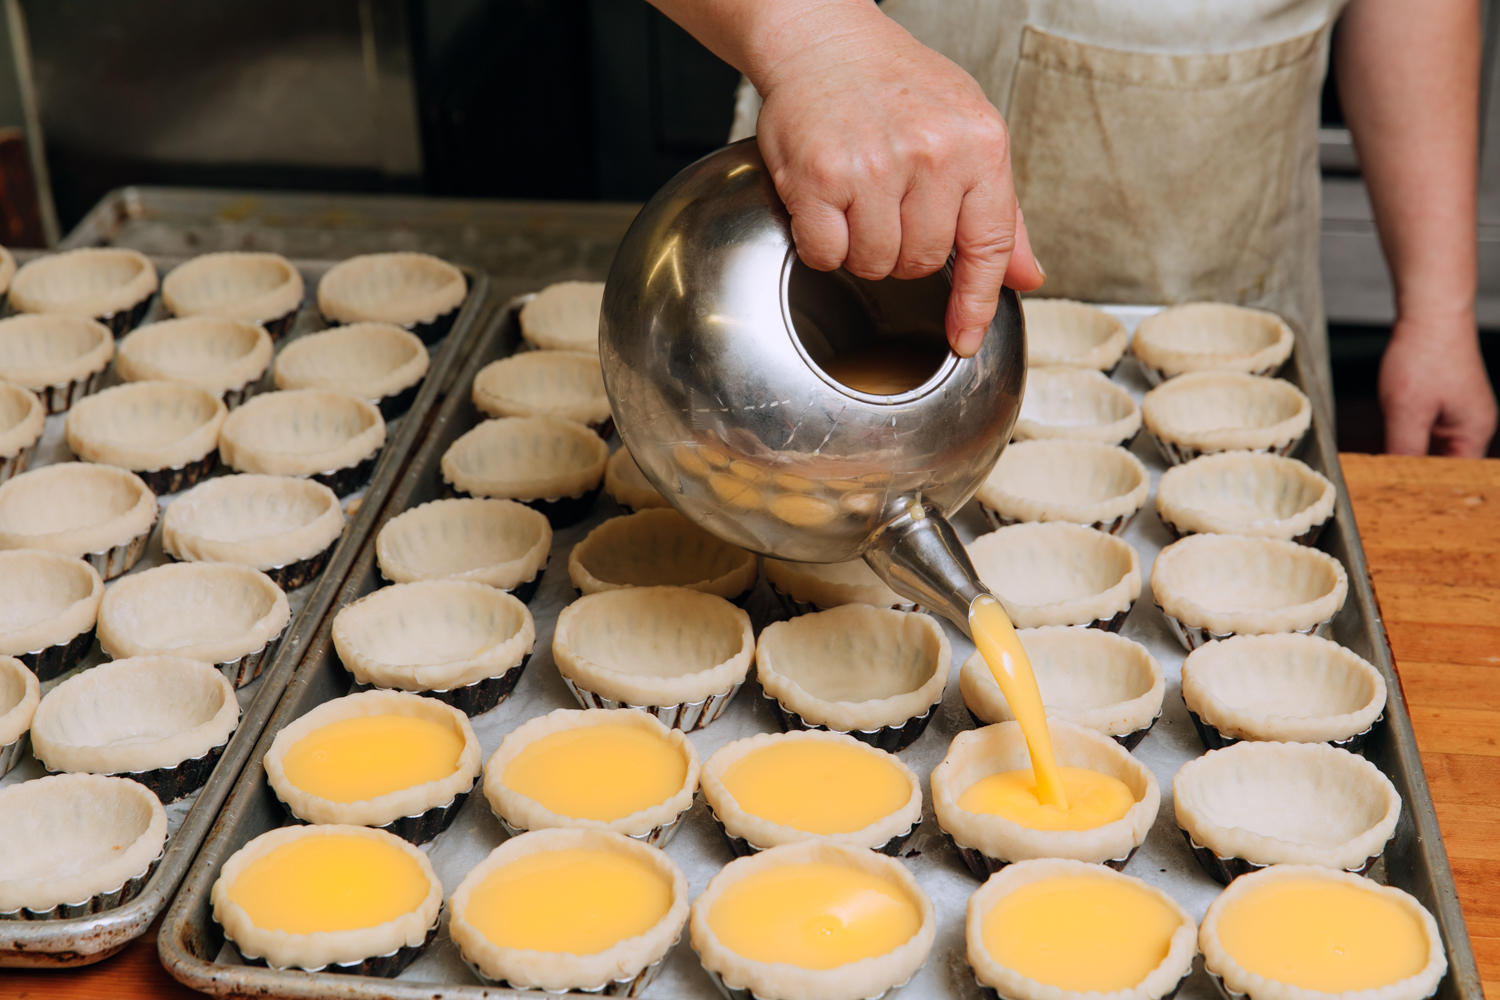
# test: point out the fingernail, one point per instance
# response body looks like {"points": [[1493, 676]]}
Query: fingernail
{"points": [[1040, 268], [967, 344]]}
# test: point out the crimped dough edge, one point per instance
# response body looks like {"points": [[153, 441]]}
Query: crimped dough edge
{"points": [[1282, 660], [282, 949], [410, 801], [1273, 430], [406, 538], [764, 833], [1055, 648], [278, 408], [200, 287], [525, 968], [206, 713], [1178, 499], [84, 799], [89, 347], [1009, 490], [29, 424], [655, 532], [1246, 327], [517, 476], [808, 641], [1160, 981], [15, 715], [661, 613], [829, 585], [525, 813], [1052, 544], [82, 481], [555, 379], [98, 425], [564, 317], [1048, 320], [140, 597], [154, 352], [1219, 962], [191, 525], [624, 481], [29, 570], [867, 977], [1268, 768], [1113, 415], [343, 291], [35, 286], [1238, 558], [979, 753], [361, 634], [306, 362]]}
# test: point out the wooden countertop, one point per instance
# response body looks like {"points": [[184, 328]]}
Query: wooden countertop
{"points": [[1431, 529]]}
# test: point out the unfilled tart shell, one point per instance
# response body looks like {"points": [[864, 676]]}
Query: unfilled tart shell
{"points": [[656, 548], [1288, 688], [1085, 482], [1225, 411], [979, 753], [434, 635], [77, 508], [526, 458], [22, 419], [20, 693], [92, 282], [132, 715], [400, 288], [46, 598], [37, 352], [1063, 402], [366, 360], [855, 667], [213, 612], [146, 426], [215, 354], [264, 522], [1243, 493], [1063, 332], [1057, 573], [564, 317], [70, 837], [1287, 803], [252, 286], [628, 485], [565, 384], [1088, 677], [654, 645], [496, 542], [1230, 584], [301, 432], [829, 585], [7, 269], [1213, 336]]}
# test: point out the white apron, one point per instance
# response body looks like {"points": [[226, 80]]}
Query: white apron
{"points": [[1164, 150]]}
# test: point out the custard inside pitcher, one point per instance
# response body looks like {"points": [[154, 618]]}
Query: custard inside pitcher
{"points": [[888, 366]]}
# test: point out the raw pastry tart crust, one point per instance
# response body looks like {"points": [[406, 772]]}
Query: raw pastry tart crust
{"points": [[226, 357], [1256, 804], [1085, 482], [416, 813], [741, 978], [568, 385], [1010, 984], [22, 420], [100, 513], [1088, 677], [564, 316], [60, 358], [989, 842], [20, 693], [1064, 332], [1206, 412], [377, 362], [803, 588], [1078, 404], [1285, 688], [255, 287], [382, 950], [1211, 336], [679, 654], [1057, 573], [624, 969], [629, 487], [519, 813], [331, 437], [77, 844], [656, 548], [7, 272], [412, 290], [109, 284], [164, 432], [1244, 493], [49, 602], [497, 542], [556, 466], [749, 833], [162, 720]]}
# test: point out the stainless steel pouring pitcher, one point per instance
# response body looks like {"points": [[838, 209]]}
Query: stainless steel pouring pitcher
{"points": [[717, 341]]}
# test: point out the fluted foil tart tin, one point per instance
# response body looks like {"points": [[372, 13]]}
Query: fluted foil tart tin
{"points": [[1308, 537], [744, 993], [235, 397], [742, 848], [278, 327], [561, 512], [419, 828], [794, 607], [97, 903], [59, 398], [471, 699], [387, 966], [398, 402], [1213, 739], [14, 752], [248, 667], [990, 993], [181, 779], [1116, 526], [1181, 454], [179, 477], [350, 478], [629, 986], [122, 322], [302, 572], [687, 716], [522, 592], [54, 661], [982, 866], [13, 465], [657, 836], [1129, 740], [118, 560], [1157, 376], [891, 739], [1226, 870], [1193, 636]]}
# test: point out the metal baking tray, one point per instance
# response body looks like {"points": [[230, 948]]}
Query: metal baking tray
{"points": [[193, 948], [84, 940]]}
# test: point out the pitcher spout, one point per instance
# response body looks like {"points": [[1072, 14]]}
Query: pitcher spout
{"points": [[920, 557]]}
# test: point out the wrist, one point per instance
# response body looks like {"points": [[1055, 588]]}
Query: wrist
{"points": [[788, 35]]}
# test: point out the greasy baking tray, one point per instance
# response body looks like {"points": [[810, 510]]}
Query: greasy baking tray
{"points": [[83, 940], [194, 950]]}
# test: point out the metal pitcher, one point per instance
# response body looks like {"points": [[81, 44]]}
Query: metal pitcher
{"points": [[717, 341]]}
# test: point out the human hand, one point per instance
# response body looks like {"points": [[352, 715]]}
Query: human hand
{"points": [[1434, 390]]}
